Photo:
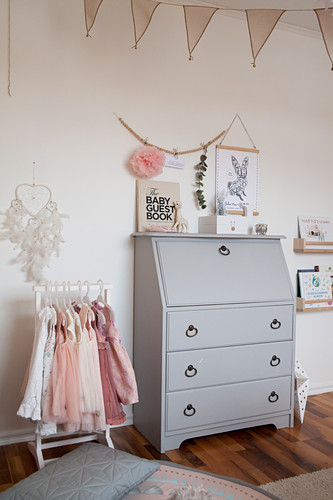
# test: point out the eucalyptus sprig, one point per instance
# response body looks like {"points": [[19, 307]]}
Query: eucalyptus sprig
{"points": [[201, 168]]}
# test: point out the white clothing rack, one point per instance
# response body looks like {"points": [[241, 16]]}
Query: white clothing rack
{"points": [[42, 443]]}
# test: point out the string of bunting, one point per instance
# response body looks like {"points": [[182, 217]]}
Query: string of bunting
{"points": [[260, 22], [175, 151]]}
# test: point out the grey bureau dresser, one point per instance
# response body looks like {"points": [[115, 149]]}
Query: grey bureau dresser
{"points": [[214, 325]]}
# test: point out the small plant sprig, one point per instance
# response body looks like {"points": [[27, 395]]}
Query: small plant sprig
{"points": [[201, 168]]}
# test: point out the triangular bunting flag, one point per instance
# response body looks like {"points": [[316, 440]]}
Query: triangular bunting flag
{"points": [[261, 23], [196, 20], [142, 12], [325, 19], [90, 10]]}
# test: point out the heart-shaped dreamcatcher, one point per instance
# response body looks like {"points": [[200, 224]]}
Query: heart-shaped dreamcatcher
{"points": [[33, 197], [33, 224]]}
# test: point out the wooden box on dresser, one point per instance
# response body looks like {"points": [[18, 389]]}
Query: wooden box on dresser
{"points": [[214, 324]]}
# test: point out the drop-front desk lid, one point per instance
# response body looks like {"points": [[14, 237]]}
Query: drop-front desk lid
{"points": [[199, 269]]}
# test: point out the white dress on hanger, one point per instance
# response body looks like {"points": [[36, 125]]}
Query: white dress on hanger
{"points": [[48, 428], [31, 404]]}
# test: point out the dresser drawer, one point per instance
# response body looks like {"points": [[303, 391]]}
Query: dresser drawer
{"points": [[209, 406], [212, 271], [208, 367], [200, 329]]}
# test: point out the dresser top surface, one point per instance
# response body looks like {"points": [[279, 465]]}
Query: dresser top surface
{"points": [[209, 236]]}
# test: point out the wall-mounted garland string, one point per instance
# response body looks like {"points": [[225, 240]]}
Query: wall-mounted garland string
{"points": [[9, 51], [174, 151], [149, 160]]}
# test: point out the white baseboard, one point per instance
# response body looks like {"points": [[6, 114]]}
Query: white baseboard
{"points": [[320, 388], [21, 436], [16, 436]]}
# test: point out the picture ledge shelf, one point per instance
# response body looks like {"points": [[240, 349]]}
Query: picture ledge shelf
{"points": [[301, 303], [303, 246]]}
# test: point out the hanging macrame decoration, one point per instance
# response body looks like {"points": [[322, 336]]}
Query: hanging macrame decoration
{"points": [[33, 224]]}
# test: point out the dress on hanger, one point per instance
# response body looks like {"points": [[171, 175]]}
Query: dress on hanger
{"points": [[43, 427], [122, 369], [31, 404], [65, 380], [93, 416], [114, 414]]}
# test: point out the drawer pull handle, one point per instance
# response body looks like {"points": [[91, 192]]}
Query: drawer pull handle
{"points": [[191, 328], [189, 369], [189, 411], [273, 397], [275, 324], [224, 250], [275, 361]]}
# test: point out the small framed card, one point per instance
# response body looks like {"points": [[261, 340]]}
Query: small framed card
{"points": [[314, 228]]}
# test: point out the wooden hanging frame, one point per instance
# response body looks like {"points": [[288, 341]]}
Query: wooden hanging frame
{"points": [[41, 443], [221, 184]]}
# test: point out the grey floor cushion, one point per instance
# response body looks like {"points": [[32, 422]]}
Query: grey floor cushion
{"points": [[90, 471]]}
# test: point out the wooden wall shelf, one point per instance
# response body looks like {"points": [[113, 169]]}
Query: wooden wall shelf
{"points": [[301, 304], [303, 246]]}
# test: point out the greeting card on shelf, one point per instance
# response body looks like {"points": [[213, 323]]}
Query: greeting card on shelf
{"points": [[156, 204], [326, 269], [315, 289], [315, 229]]}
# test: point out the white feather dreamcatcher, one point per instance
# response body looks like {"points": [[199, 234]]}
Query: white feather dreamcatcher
{"points": [[33, 224]]}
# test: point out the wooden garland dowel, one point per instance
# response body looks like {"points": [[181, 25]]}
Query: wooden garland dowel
{"points": [[170, 151]]}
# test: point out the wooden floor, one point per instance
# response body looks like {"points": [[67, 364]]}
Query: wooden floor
{"points": [[258, 455]]}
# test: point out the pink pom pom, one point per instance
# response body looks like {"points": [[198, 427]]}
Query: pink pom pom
{"points": [[148, 161]]}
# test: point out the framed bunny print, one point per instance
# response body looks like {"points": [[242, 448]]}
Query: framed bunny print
{"points": [[236, 174]]}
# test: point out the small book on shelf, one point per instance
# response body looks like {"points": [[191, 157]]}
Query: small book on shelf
{"points": [[326, 269], [314, 228], [299, 272], [155, 204], [315, 286]]}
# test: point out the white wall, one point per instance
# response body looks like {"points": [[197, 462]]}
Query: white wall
{"points": [[65, 88]]}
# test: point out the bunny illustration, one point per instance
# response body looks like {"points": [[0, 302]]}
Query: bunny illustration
{"points": [[238, 186]]}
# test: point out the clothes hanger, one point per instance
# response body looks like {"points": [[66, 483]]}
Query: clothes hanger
{"points": [[79, 299], [86, 298], [64, 296], [100, 297], [70, 305], [56, 296], [47, 297]]}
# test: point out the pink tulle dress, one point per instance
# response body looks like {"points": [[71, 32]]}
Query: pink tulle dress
{"points": [[65, 407], [93, 416], [122, 369], [114, 413]]}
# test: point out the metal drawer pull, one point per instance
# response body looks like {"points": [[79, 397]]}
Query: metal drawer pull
{"points": [[275, 324], [275, 360], [189, 408], [224, 250], [191, 328], [273, 397], [191, 368]]}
